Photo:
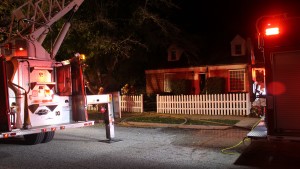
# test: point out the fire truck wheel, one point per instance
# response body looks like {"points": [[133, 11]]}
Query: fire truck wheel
{"points": [[48, 136], [32, 139]]}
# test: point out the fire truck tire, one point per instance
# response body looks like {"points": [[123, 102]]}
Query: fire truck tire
{"points": [[32, 139], [48, 136]]}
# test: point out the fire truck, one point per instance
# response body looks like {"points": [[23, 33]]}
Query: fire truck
{"points": [[279, 43], [39, 95]]}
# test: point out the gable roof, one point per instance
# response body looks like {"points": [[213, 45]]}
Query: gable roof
{"points": [[238, 39]]}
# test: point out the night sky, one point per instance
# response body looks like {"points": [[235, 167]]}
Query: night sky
{"points": [[222, 19]]}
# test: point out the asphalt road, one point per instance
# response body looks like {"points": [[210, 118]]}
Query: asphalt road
{"points": [[161, 148]]}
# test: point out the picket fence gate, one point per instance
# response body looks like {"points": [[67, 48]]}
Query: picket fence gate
{"points": [[130, 103], [237, 104]]}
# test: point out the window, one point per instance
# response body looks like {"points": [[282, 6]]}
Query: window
{"points": [[173, 55], [168, 81], [238, 49], [237, 80], [238, 46], [169, 78]]}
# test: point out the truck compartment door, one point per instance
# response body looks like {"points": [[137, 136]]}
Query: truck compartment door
{"points": [[5, 124], [286, 90]]}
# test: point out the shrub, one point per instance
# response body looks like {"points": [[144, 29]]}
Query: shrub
{"points": [[214, 85], [181, 86]]}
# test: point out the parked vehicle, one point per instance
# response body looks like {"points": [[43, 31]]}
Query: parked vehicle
{"points": [[40, 95], [279, 41]]}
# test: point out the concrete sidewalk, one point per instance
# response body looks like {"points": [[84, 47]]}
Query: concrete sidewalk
{"points": [[244, 122]]}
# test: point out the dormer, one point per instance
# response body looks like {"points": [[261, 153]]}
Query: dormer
{"points": [[174, 53], [238, 46]]}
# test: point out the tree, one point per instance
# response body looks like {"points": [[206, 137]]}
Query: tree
{"points": [[6, 7], [117, 37], [119, 40]]}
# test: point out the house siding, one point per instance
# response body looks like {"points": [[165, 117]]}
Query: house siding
{"points": [[155, 79]]}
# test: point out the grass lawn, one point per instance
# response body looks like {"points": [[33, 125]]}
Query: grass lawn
{"points": [[95, 115], [147, 118], [157, 119]]}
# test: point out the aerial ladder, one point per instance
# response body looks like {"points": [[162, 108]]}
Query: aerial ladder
{"points": [[32, 22]]}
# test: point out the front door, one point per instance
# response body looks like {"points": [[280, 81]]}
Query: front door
{"points": [[202, 81]]}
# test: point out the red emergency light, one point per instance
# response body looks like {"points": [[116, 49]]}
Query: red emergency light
{"points": [[272, 31], [102, 109]]}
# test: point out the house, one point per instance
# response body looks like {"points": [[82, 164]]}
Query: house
{"points": [[235, 70]]}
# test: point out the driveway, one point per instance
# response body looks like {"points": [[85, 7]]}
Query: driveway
{"points": [[132, 148]]}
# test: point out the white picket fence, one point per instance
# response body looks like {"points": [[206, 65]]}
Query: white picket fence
{"points": [[213, 104], [132, 103], [216, 104]]}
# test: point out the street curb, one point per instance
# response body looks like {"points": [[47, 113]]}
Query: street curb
{"points": [[204, 127]]}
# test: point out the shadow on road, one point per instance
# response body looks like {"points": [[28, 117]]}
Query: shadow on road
{"points": [[271, 154], [13, 140]]}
